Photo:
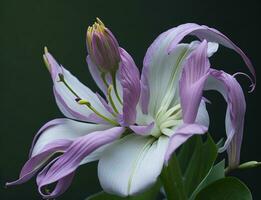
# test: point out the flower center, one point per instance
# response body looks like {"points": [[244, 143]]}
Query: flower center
{"points": [[167, 121]]}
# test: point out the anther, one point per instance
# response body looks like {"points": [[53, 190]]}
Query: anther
{"points": [[61, 77]]}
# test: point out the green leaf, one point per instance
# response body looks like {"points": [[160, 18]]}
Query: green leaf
{"points": [[151, 194], [172, 180], [229, 188], [215, 173], [186, 151], [201, 161], [102, 196]]}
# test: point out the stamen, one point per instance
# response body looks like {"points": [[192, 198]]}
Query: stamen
{"points": [[84, 102], [45, 50], [169, 123], [99, 21], [61, 77], [111, 100], [110, 87], [167, 131], [88, 104], [47, 64], [172, 113], [171, 86]]}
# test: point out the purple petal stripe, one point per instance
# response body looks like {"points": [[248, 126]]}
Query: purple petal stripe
{"points": [[79, 149], [61, 186], [193, 77], [211, 35], [33, 165], [130, 82]]}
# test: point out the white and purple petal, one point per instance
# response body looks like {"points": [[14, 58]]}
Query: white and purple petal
{"points": [[65, 97], [75, 154], [130, 82], [34, 164], [193, 77], [161, 71], [55, 137], [232, 92], [96, 75], [159, 74], [211, 35]]}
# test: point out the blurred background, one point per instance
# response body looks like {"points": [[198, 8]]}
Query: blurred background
{"points": [[26, 89]]}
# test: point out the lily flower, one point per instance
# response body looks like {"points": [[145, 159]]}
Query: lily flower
{"points": [[143, 120]]}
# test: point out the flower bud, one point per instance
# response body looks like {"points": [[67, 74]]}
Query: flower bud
{"points": [[103, 47]]}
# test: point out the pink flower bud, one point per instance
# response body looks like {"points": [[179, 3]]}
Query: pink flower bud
{"points": [[103, 47]]}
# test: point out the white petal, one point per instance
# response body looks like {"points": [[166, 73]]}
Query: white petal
{"points": [[68, 129], [65, 98], [202, 115], [132, 164], [212, 48], [68, 99], [163, 75]]}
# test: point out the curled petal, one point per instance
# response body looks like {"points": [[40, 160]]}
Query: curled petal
{"points": [[232, 92], [193, 77], [161, 72], [211, 35], [55, 136], [35, 163], [61, 186], [79, 149], [130, 82]]}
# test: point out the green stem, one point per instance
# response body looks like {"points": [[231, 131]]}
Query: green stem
{"points": [[111, 100], [61, 77], [85, 102], [171, 178], [246, 165], [113, 77], [103, 76], [88, 104], [109, 88]]}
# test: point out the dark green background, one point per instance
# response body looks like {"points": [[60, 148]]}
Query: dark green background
{"points": [[26, 89]]}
